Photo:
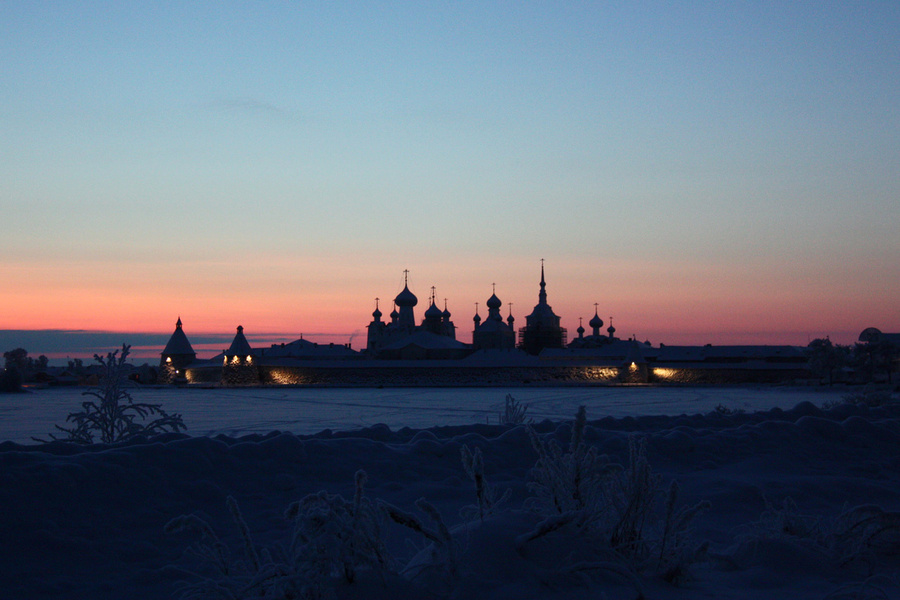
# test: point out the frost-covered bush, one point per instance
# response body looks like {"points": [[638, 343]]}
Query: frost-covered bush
{"points": [[786, 520], [513, 412], [485, 494], [577, 479], [332, 541], [870, 397], [248, 575], [864, 534], [335, 538], [723, 411], [114, 416], [877, 587], [618, 506], [440, 568]]}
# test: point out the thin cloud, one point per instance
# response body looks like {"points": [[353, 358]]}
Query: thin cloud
{"points": [[249, 106]]}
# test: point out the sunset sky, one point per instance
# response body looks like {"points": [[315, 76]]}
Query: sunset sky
{"points": [[722, 172]]}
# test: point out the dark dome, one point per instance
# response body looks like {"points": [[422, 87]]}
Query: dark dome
{"points": [[596, 322], [406, 298], [433, 312], [494, 302]]}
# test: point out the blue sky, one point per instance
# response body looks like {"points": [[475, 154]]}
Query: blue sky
{"points": [[702, 170]]}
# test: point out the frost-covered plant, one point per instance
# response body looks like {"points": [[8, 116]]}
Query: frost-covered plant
{"points": [[639, 533], [577, 479], [115, 416], [333, 539], [863, 534], [877, 587], [254, 574], [676, 549], [615, 504], [513, 412], [866, 533], [633, 498], [443, 562], [786, 520], [724, 411], [485, 494], [870, 397]]}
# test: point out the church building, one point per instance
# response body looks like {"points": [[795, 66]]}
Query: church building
{"points": [[493, 333], [435, 337], [542, 329]]}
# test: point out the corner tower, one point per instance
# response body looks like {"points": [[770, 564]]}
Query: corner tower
{"points": [[177, 355]]}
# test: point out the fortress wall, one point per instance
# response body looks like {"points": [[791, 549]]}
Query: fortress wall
{"points": [[438, 376]]}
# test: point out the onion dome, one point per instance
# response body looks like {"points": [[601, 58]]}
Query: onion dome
{"points": [[406, 298], [580, 330], [394, 314], [596, 322], [376, 314], [611, 329], [446, 313], [477, 318], [510, 319], [433, 312], [494, 302]]}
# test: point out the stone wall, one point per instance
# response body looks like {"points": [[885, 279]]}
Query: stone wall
{"points": [[438, 376]]}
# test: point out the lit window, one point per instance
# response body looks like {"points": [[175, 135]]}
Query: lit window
{"points": [[168, 359]]}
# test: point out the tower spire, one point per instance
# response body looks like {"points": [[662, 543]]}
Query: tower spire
{"points": [[542, 296]]}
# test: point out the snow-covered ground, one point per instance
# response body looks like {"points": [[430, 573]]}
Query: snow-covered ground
{"points": [[90, 522], [237, 411]]}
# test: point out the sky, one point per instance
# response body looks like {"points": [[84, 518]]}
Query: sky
{"points": [[705, 172]]}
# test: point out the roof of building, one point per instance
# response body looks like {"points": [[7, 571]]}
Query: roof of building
{"points": [[428, 340], [305, 349], [872, 335], [178, 343], [712, 353], [239, 346]]}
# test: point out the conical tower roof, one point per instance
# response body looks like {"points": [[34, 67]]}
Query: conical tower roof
{"points": [[239, 345], [178, 344]]}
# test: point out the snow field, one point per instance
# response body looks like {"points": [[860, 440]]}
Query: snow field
{"points": [[88, 522]]}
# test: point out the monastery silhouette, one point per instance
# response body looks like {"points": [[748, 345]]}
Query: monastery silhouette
{"points": [[401, 352]]}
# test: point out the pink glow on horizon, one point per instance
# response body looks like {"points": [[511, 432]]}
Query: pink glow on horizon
{"points": [[667, 301]]}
